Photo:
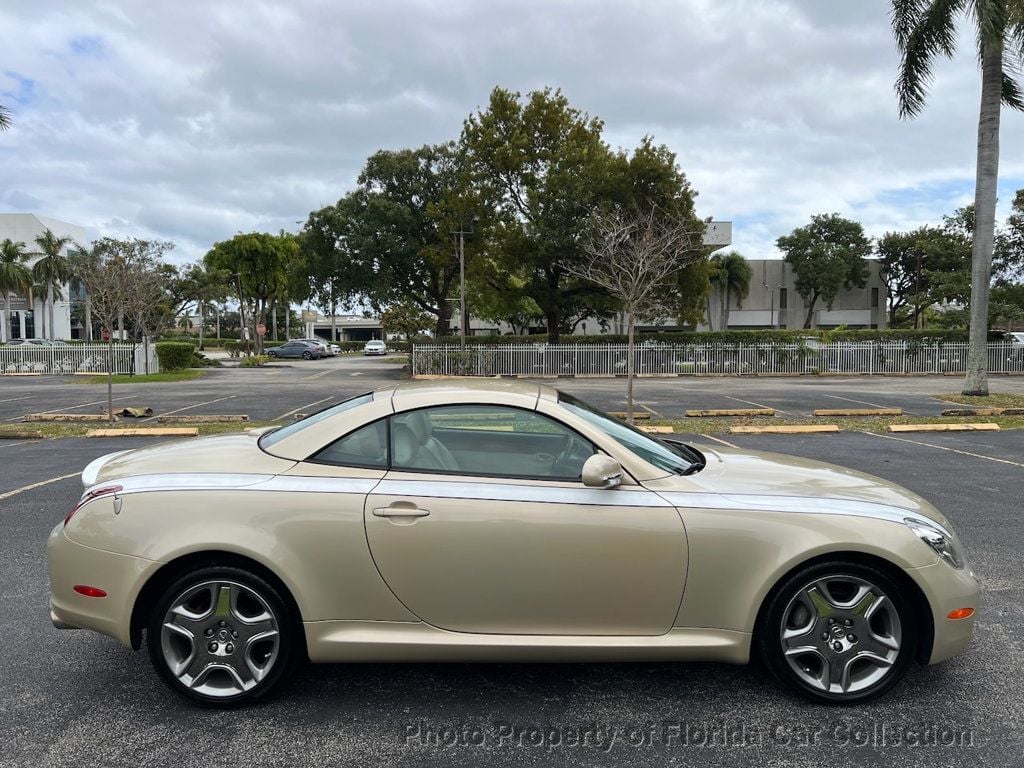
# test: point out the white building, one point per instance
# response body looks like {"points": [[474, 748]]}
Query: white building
{"points": [[27, 316]]}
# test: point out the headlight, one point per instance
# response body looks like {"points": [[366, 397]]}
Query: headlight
{"points": [[944, 543]]}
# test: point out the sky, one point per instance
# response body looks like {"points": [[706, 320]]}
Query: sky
{"points": [[191, 121]]}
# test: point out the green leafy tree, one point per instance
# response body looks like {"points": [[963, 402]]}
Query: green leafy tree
{"points": [[543, 168], [15, 277], [256, 262], [731, 278], [925, 30], [922, 267], [405, 318], [826, 256], [52, 270]]}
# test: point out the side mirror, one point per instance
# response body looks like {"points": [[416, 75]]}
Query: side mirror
{"points": [[600, 471]]}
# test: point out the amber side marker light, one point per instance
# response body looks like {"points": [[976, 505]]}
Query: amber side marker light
{"points": [[960, 613], [82, 589]]}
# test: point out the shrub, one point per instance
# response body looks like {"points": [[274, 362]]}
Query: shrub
{"points": [[254, 361], [174, 355], [233, 347]]}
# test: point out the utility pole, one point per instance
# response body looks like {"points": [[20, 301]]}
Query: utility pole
{"points": [[462, 231]]}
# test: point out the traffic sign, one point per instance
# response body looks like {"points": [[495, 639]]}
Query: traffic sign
{"points": [[261, 329]]}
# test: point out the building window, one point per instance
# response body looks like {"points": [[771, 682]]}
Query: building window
{"points": [[782, 298], [874, 298]]}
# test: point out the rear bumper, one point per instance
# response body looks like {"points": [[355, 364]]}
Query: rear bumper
{"points": [[948, 589], [120, 576]]}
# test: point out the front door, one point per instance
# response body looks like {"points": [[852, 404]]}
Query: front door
{"points": [[482, 525]]}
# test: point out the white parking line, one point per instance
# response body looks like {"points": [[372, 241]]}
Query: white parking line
{"points": [[851, 400], [357, 373], [12, 399], [40, 484], [189, 407], [318, 375], [650, 410], [286, 414], [947, 448], [756, 405]]}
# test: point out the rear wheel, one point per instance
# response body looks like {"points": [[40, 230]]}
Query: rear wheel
{"points": [[271, 353], [840, 632], [307, 355], [222, 637]]}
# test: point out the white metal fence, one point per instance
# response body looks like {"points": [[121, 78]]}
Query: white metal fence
{"points": [[65, 359], [713, 358]]}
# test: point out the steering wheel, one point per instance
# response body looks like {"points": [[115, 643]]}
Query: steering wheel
{"points": [[568, 459]]}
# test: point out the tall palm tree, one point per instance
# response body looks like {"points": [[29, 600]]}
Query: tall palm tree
{"points": [[925, 29], [731, 275], [14, 277], [52, 270]]}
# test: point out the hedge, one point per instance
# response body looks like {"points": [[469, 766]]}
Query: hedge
{"points": [[174, 355], [757, 336]]}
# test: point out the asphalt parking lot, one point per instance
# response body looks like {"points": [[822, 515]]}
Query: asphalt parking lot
{"points": [[75, 698]]}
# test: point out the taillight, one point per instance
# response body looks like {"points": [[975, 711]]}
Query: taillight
{"points": [[96, 493]]}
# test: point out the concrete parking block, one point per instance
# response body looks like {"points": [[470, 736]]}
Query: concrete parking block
{"points": [[709, 412], [656, 430], [786, 430], [858, 412], [145, 432], [66, 417], [980, 427], [201, 419]]}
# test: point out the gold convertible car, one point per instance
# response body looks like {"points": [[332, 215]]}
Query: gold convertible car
{"points": [[501, 521]]}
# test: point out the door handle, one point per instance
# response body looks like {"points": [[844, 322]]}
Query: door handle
{"points": [[400, 512]]}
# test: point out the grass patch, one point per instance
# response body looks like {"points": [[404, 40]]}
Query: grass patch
{"points": [[151, 378], [54, 430], [998, 400], [721, 426]]}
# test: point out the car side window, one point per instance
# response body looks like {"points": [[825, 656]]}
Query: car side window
{"points": [[488, 440], [365, 447]]}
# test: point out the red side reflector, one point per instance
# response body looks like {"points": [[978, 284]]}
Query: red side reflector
{"points": [[960, 613], [82, 589]]}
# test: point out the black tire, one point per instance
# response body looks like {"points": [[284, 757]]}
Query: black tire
{"points": [[307, 355], [271, 353], [894, 621], [279, 663]]}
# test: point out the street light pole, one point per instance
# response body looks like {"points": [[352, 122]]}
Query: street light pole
{"points": [[241, 312]]}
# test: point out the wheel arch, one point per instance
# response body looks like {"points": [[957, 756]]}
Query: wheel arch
{"points": [[175, 568], [922, 608]]}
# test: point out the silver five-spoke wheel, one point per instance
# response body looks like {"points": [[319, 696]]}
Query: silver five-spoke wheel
{"points": [[222, 636], [219, 638], [841, 634], [840, 631]]}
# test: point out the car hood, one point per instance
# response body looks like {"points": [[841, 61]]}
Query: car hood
{"points": [[220, 454], [737, 472]]}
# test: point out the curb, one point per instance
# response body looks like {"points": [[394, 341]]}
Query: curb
{"points": [[194, 419], [66, 417], [859, 412], [145, 432], [729, 412]]}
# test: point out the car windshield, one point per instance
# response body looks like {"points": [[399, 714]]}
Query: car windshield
{"points": [[656, 452], [270, 438]]}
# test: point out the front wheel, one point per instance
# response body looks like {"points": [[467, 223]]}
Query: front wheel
{"points": [[840, 632], [223, 637]]}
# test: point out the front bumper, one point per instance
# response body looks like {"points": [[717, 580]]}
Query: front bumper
{"points": [[120, 576], [948, 589]]}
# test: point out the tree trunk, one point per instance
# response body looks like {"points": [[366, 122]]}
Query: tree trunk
{"points": [[50, 300], [810, 311], [976, 381], [287, 322], [444, 320], [5, 327], [630, 369], [711, 325], [88, 317], [110, 380], [200, 313], [725, 309], [552, 312], [273, 320]]}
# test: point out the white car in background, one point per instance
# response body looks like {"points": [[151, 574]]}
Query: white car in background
{"points": [[334, 348], [375, 347]]}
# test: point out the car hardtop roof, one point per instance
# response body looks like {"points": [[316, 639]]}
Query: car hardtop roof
{"points": [[418, 394]]}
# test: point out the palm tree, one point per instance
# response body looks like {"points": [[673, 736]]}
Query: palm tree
{"points": [[925, 29], [731, 275], [5, 118], [52, 270], [14, 277]]}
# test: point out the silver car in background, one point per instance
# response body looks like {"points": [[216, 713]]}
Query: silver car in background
{"points": [[375, 347]]}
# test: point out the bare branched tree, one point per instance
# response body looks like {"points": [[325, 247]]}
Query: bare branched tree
{"points": [[636, 258], [110, 273]]}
